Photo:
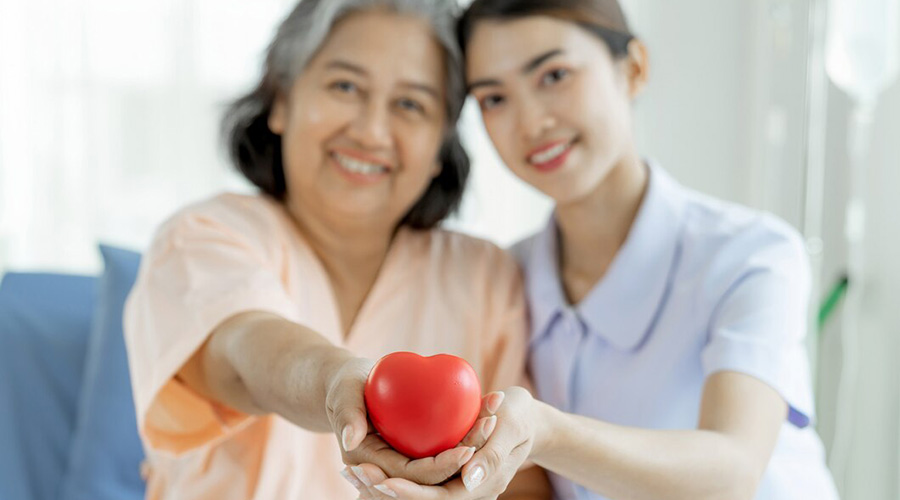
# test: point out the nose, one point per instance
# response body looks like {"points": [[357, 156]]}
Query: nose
{"points": [[372, 129], [534, 119]]}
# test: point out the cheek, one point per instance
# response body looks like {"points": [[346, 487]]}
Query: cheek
{"points": [[418, 148], [501, 130], [312, 118], [603, 118]]}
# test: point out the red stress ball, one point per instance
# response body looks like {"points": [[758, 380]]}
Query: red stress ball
{"points": [[422, 406]]}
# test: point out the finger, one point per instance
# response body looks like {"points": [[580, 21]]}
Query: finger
{"points": [[353, 426], [374, 450], [345, 404], [372, 476], [437, 469], [429, 470], [491, 401], [348, 412], [480, 432], [408, 490], [488, 460], [351, 478]]}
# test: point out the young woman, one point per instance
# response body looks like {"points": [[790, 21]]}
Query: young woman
{"points": [[255, 319], [667, 327]]}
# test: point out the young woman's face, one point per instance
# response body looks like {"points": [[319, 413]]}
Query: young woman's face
{"points": [[363, 123], [554, 102]]}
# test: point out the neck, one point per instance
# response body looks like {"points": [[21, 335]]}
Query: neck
{"points": [[593, 228], [349, 251]]}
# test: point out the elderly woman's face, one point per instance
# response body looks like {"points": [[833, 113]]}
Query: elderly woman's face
{"points": [[363, 123]]}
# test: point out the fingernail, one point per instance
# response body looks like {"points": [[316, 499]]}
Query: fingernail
{"points": [[361, 474], [474, 478], [346, 436], [387, 491], [470, 452], [489, 427], [494, 404], [351, 479]]}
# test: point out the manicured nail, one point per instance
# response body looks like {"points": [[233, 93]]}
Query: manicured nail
{"points": [[494, 403], [470, 452], [489, 427], [346, 436], [351, 478], [361, 474], [474, 478], [387, 491]]}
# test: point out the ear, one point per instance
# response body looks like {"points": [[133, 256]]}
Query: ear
{"points": [[637, 67], [278, 115]]}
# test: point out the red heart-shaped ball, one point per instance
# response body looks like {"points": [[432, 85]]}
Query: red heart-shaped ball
{"points": [[422, 406]]}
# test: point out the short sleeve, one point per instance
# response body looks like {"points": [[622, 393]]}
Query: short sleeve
{"points": [[203, 267], [759, 324]]}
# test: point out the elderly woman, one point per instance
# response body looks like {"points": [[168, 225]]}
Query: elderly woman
{"points": [[254, 320]]}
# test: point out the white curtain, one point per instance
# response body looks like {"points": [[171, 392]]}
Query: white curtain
{"points": [[109, 114]]}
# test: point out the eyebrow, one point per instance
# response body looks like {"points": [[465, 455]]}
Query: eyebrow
{"points": [[526, 68], [359, 70]]}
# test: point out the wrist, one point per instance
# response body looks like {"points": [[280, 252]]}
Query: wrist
{"points": [[546, 420], [333, 362]]}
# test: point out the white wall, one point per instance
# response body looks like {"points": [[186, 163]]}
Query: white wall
{"points": [[109, 116], [726, 113], [873, 464]]}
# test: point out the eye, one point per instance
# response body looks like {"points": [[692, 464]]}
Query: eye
{"points": [[410, 105], [344, 86], [554, 76], [491, 101]]}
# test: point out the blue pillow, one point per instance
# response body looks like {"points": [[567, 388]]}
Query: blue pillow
{"points": [[106, 452], [44, 325]]}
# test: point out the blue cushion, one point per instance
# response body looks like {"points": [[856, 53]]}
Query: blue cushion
{"points": [[44, 324], [106, 452]]}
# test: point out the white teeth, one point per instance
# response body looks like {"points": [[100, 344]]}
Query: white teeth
{"points": [[545, 156], [358, 166]]}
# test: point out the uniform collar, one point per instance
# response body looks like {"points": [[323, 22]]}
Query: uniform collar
{"points": [[623, 306]]}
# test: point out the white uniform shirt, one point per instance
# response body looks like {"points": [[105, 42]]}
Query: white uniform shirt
{"points": [[700, 286]]}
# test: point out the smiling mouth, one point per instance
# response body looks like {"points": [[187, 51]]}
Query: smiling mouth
{"points": [[359, 167], [551, 157]]}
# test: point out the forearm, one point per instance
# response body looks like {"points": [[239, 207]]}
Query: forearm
{"points": [[631, 463], [261, 363]]}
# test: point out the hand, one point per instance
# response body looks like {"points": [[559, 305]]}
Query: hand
{"points": [[490, 470], [359, 443], [387, 462]]}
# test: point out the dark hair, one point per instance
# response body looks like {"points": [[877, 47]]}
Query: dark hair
{"points": [[256, 151], [604, 18]]}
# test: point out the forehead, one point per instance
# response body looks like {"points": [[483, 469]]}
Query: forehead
{"points": [[501, 46], [386, 44]]}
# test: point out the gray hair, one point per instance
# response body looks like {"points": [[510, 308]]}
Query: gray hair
{"points": [[302, 33], [256, 151]]}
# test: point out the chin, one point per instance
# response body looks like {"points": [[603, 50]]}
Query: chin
{"points": [[565, 189]]}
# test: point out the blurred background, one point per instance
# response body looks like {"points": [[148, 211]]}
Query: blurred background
{"points": [[109, 114]]}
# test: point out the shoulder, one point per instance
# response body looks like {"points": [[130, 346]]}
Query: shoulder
{"points": [[719, 228], [246, 223], [725, 242], [245, 216]]}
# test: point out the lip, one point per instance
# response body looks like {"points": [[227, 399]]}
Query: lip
{"points": [[555, 163], [359, 155], [357, 177], [545, 147]]}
